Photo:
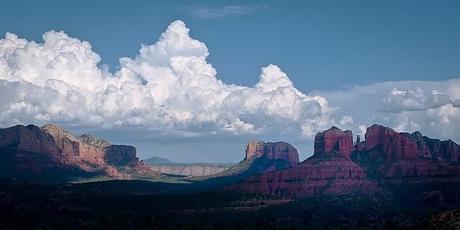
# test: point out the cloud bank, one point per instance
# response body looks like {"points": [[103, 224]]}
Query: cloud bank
{"points": [[168, 87], [431, 107], [415, 100]]}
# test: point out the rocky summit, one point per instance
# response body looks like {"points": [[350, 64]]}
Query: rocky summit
{"points": [[388, 154], [260, 157], [51, 153], [338, 167], [334, 139], [273, 151], [407, 146], [328, 171]]}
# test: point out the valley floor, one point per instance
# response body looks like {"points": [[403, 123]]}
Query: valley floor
{"points": [[148, 205]]}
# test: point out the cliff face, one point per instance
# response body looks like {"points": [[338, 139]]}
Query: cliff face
{"points": [[395, 146], [28, 138], [260, 157], [442, 150], [388, 154], [71, 151], [383, 158], [328, 171], [51, 150], [120, 155], [334, 139], [273, 151], [19, 146], [406, 146]]}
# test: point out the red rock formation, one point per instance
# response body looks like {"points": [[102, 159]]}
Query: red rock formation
{"points": [[28, 138], [407, 156], [387, 155], [451, 151], [395, 146], [273, 151], [54, 150], [334, 139], [17, 145], [336, 176], [72, 150], [443, 150], [405, 146], [328, 171]]}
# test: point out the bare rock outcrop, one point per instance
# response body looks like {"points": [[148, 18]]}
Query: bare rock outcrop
{"points": [[334, 139], [338, 167], [391, 155], [94, 141], [52, 153], [408, 146], [394, 145], [273, 151], [121, 155], [328, 171]]}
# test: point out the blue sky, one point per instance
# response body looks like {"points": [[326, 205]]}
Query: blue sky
{"points": [[320, 44], [356, 62]]}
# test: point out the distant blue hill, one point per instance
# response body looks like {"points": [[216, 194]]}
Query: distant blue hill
{"points": [[157, 161]]}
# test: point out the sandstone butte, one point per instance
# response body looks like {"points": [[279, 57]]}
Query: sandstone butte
{"points": [[339, 167], [38, 150], [273, 151], [334, 139]]}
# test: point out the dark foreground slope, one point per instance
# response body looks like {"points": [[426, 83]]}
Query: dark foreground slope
{"points": [[143, 205]]}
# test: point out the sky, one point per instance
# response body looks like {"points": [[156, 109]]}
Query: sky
{"points": [[196, 80]]}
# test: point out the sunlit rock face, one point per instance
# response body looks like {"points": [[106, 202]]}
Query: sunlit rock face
{"points": [[273, 151], [33, 152]]}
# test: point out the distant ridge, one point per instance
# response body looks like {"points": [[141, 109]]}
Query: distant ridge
{"points": [[199, 169]]}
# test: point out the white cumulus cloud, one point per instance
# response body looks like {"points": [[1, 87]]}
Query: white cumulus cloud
{"points": [[414, 100], [168, 87]]}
